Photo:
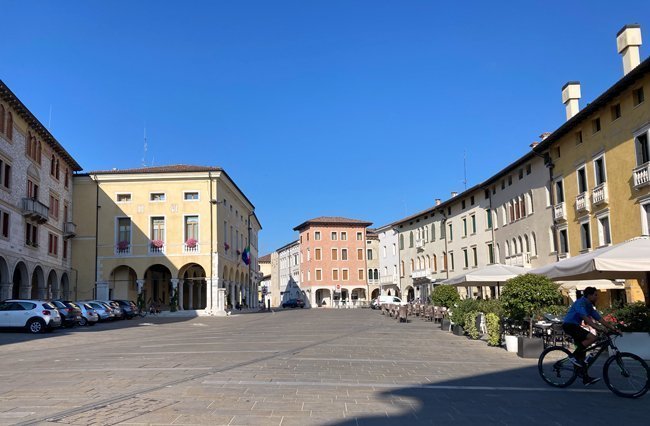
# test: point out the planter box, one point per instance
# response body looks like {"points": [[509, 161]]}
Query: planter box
{"points": [[529, 347], [458, 330], [512, 343], [636, 343], [445, 324]]}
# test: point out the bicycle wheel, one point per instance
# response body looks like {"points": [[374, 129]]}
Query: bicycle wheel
{"points": [[627, 375], [555, 368]]}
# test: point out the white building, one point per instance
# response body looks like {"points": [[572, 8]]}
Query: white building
{"points": [[388, 262], [288, 271]]}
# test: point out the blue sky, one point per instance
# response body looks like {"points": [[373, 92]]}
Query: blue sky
{"points": [[345, 108]]}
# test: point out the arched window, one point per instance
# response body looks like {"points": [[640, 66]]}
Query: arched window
{"points": [[370, 274], [376, 274], [56, 174], [419, 262], [401, 268], [529, 200], [499, 260], [52, 165], [401, 242], [534, 241], [521, 245], [28, 144], [412, 265], [444, 260], [2, 118], [526, 244], [10, 126], [427, 262], [515, 249], [522, 206], [435, 263], [411, 239], [507, 249]]}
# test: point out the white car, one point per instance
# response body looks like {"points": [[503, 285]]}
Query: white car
{"points": [[37, 316]]}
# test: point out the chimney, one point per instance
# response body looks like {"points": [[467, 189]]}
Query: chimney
{"points": [[570, 97], [534, 144], [453, 194], [628, 40], [438, 201], [545, 135]]}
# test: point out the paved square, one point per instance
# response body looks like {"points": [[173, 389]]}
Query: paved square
{"points": [[295, 367]]}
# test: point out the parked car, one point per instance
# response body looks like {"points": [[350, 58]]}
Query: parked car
{"points": [[375, 303], [129, 308], [117, 310], [88, 314], [104, 311], [70, 313], [391, 300], [293, 303], [37, 316]]}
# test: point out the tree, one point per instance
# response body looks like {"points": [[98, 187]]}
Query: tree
{"points": [[527, 295], [444, 295]]}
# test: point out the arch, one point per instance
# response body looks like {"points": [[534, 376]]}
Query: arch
{"points": [[123, 283], [499, 260], [64, 290], [376, 274], [358, 294], [157, 281], [323, 297], [506, 247], [411, 239], [515, 249], [410, 293], [521, 244], [52, 286], [38, 283], [192, 291], [533, 238], [20, 282], [5, 292], [435, 263], [427, 262], [526, 244], [374, 294]]}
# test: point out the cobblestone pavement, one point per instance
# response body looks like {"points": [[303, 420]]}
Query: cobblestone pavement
{"points": [[294, 367]]}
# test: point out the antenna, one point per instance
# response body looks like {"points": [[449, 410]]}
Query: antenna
{"points": [[465, 169], [144, 155]]}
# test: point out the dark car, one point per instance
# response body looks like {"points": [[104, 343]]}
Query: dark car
{"points": [[293, 303], [128, 307], [70, 313]]}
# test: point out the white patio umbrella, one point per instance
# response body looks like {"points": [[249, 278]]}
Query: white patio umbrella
{"points": [[630, 259], [492, 274]]}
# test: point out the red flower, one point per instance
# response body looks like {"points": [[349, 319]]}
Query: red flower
{"points": [[226, 246]]}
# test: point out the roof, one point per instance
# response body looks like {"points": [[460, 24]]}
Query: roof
{"points": [[332, 220], [286, 246], [173, 168], [15, 103], [264, 259]]}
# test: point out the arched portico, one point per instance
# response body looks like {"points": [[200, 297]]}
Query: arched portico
{"points": [[157, 283], [323, 297], [20, 282], [52, 288], [38, 284], [358, 295], [123, 283], [192, 292], [5, 280], [410, 293], [64, 290], [374, 294]]}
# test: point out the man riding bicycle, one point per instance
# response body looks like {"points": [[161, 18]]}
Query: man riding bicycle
{"points": [[583, 310]]}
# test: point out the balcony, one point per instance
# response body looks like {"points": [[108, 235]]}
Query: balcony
{"points": [[419, 244], [389, 279], [421, 273], [69, 230], [521, 259], [191, 248], [599, 194], [35, 210], [641, 176], [122, 248], [582, 203], [156, 247], [559, 212]]}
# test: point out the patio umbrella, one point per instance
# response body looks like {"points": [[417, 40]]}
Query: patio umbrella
{"points": [[630, 259], [496, 273]]}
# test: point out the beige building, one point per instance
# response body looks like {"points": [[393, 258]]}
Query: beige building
{"points": [[35, 207], [372, 260], [172, 235]]}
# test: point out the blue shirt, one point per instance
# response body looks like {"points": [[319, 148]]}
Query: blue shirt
{"points": [[580, 309]]}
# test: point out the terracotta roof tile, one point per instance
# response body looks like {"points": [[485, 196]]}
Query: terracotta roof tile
{"points": [[174, 168], [332, 220], [264, 259]]}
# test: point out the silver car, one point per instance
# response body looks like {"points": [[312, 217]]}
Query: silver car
{"points": [[88, 314], [104, 312], [37, 316]]}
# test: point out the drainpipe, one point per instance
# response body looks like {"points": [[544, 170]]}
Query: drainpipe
{"points": [[97, 206], [551, 166], [211, 242]]}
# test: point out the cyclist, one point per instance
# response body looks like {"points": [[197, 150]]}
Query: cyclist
{"points": [[583, 310]]}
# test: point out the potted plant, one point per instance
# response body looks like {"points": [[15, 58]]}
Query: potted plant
{"points": [[122, 246], [634, 322], [459, 315], [157, 244], [524, 298], [494, 329], [445, 296], [191, 243]]}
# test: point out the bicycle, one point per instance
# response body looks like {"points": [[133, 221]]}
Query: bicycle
{"points": [[625, 374]]}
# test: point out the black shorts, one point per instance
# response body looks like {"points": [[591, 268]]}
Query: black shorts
{"points": [[578, 333]]}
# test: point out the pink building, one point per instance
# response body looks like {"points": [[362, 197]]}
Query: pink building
{"points": [[333, 261]]}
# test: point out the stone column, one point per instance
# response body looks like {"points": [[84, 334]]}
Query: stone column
{"points": [[102, 290], [5, 290], [174, 282], [221, 298], [200, 296], [181, 289], [191, 292]]}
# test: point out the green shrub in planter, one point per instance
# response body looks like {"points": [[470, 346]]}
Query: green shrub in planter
{"points": [[470, 325], [444, 295], [633, 317], [462, 308], [488, 306], [494, 329], [526, 296]]}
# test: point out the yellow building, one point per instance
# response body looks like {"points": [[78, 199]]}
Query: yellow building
{"points": [[599, 162], [160, 232]]}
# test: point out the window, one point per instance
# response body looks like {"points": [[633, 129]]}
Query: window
{"points": [[2, 118], [487, 194], [490, 253], [465, 260], [471, 200], [54, 207], [67, 177], [638, 96], [529, 169], [369, 254], [474, 256], [317, 254], [9, 131], [559, 191], [488, 212], [123, 198], [335, 254], [191, 196], [578, 137], [433, 232], [451, 260], [319, 275], [31, 234], [335, 274], [642, 151], [558, 152], [317, 235], [595, 125], [599, 170], [65, 249], [394, 249], [510, 180], [451, 232], [5, 173], [360, 274], [503, 184], [157, 196], [645, 218], [616, 112], [359, 236], [462, 204], [334, 236], [401, 269], [464, 227], [473, 219], [401, 242], [582, 180], [344, 274], [344, 236], [52, 244], [307, 235], [158, 229], [4, 217], [191, 228], [384, 250], [123, 233], [585, 236], [359, 254], [521, 174], [344, 254], [564, 241], [604, 233]]}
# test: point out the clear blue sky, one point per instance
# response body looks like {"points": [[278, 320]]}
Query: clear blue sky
{"points": [[348, 108]]}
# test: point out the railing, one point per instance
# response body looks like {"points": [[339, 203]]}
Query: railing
{"points": [[191, 248], [641, 175], [419, 243], [559, 212], [388, 279], [36, 210], [69, 229], [582, 203], [520, 259], [155, 249], [599, 194], [421, 273], [122, 249]]}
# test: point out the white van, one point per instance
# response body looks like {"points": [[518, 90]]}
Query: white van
{"points": [[390, 300]]}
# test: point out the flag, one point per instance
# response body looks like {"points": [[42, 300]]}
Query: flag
{"points": [[246, 255]]}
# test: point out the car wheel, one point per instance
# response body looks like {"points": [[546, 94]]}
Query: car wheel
{"points": [[83, 321], [36, 326]]}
